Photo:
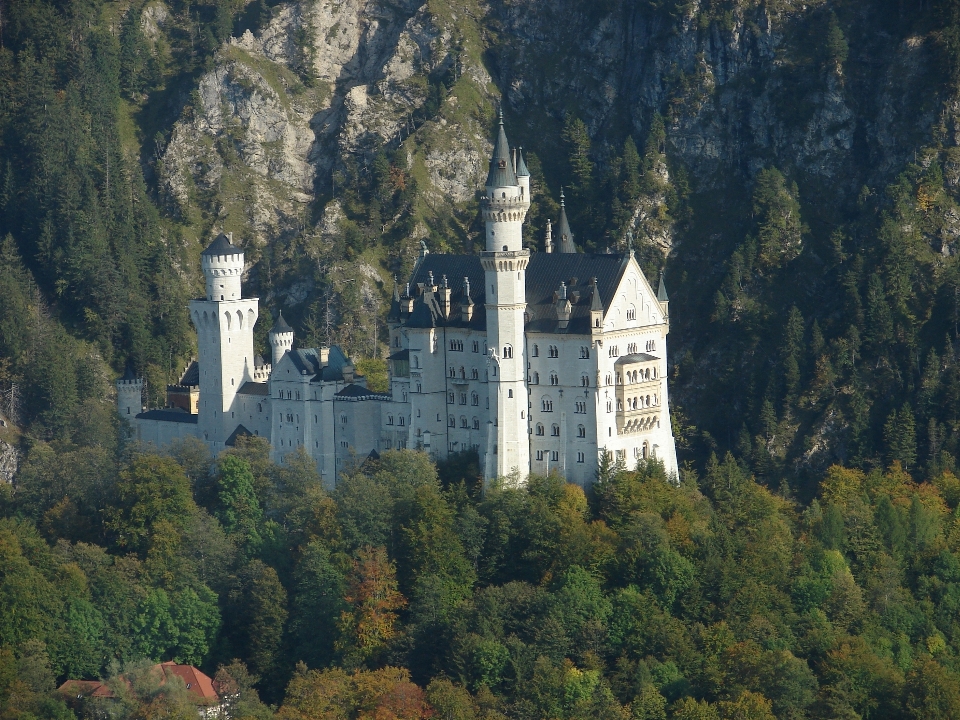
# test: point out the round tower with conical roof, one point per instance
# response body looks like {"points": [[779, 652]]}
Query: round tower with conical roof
{"points": [[505, 203], [281, 338]]}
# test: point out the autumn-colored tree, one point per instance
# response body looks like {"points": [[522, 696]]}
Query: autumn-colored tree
{"points": [[369, 626]]}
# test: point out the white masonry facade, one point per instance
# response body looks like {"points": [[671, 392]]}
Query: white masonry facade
{"points": [[538, 362]]}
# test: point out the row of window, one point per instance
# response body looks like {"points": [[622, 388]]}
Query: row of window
{"points": [[457, 346], [401, 420], [474, 373], [539, 430], [452, 422], [554, 456], [637, 403], [534, 379], [554, 352], [474, 398], [614, 350]]}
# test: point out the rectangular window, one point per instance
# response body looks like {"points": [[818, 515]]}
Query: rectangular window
{"points": [[580, 457], [555, 455]]}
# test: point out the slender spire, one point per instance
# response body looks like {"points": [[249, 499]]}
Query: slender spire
{"points": [[566, 237], [662, 290], [394, 313], [596, 305], [521, 165], [467, 300], [501, 168]]}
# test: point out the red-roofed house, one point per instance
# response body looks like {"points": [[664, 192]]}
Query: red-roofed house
{"points": [[199, 685]]}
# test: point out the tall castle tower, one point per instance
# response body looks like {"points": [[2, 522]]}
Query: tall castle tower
{"points": [[505, 203], [224, 322]]}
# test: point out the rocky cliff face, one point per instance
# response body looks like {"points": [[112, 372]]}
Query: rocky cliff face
{"points": [[738, 94]]}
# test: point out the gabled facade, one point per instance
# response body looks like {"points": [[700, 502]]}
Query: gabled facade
{"points": [[537, 361]]}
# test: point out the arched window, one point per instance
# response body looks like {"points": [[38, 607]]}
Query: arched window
{"points": [[546, 404], [389, 419], [536, 351], [507, 352], [555, 430], [608, 379], [474, 398], [451, 421], [476, 423], [536, 378], [463, 422], [584, 352], [403, 420], [539, 429], [631, 313], [554, 351], [463, 398], [581, 431], [609, 406], [452, 371], [585, 380], [416, 362], [554, 378], [474, 373], [343, 419], [451, 397], [509, 393]]}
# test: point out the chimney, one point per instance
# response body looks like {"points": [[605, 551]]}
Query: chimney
{"points": [[466, 303], [445, 305], [406, 302], [563, 307]]}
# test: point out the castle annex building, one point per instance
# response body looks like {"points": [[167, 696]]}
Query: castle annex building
{"points": [[538, 361]]}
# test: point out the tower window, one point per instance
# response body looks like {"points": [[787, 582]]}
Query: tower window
{"points": [[581, 431], [555, 430], [507, 351], [554, 455], [539, 429], [509, 393], [536, 351]]}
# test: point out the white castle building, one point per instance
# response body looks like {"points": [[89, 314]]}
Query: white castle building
{"points": [[537, 361]]}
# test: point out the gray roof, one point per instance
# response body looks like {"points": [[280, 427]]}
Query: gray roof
{"points": [[521, 165], [635, 358], [566, 236], [222, 246], [544, 274], [358, 392], [169, 415], [241, 431], [254, 388], [501, 169], [191, 376], [129, 374], [281, 325], [662, 290], [333, 370]]}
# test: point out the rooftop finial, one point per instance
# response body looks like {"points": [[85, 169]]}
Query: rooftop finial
{"points": [[500, 112], [630, 241], [561, 197]]}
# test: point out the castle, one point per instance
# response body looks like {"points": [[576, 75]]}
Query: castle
{"points": [[537, 361]]}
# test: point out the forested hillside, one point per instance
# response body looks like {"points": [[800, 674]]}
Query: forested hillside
{"points": [[794, 170], [407, 595]]}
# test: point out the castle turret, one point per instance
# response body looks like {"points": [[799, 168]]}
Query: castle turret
{"points": [[504, 207], [281, 338], [129, 395], [663, 299], [224, 322], [523, 175]]}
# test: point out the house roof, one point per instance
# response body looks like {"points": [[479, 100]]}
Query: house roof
{"points": [[239, 432], [222, 246], [254, 388], [85, 689], [358, 392], [544, 274], [176, 415], [199, 684], [635, 358], [191, 376]]}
